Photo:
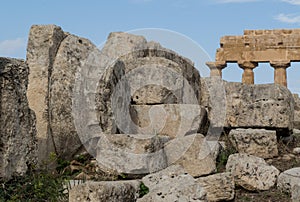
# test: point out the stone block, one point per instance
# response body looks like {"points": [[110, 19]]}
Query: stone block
{"points": [[114, 191], [251, 172], [258, 142], [219, 187], [193, 153], [169, 119]]}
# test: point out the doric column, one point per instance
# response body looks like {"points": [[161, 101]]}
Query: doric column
{"points": [[248, 74], [216, 68], [280, 71]]}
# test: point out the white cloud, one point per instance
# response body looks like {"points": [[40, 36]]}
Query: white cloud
{"points": [[13, 47], [236, 1], [288, 18], [294, 2]]}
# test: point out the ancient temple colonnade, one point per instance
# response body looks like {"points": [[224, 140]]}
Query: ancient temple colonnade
{"points": [[277, 47], [280, 75]]}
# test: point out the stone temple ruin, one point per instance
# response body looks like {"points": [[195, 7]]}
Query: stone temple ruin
{"points": [[142, 110], [277, 47]]}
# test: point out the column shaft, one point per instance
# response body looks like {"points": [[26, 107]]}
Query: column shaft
{"points": [[280, 76]]}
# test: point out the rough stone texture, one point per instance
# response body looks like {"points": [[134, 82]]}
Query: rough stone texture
{"points": [[219, 187], [17, 120], [288, 179], [172, 184], [108, 95], [150, 69], [154, 94], [132, 154], [114, 191], [258, 142], [69, 59], [193, 153], [173, 76], [173, 120], [259, 106], [43, 43], [296, 111], [296, 193], [252, 173]]}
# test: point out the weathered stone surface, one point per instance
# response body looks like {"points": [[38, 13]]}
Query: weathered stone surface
{"points": [[296, 193], [260, 46], [172, 184], [132, 154], [17, 120], [172, 120], [114, 191], [219, 187], [69, 59], [247, 106], [258, 142], [43, 43], [154, 94], [288, 179], [174, 77], [148, 67], [251, 172], [108, 95], [193, 153], [259, 106], [296, 111]]}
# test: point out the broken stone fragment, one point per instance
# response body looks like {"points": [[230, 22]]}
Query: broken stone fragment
{"points": [[172, 184], [132, 154], [288, 179], [258, 142], [219, 187], [251, 172], [114, 191], [193, 153]]}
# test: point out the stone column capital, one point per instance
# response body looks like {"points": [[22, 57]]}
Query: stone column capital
{"points": [[216, 68], [216, 65], [244, 64], [280, 64]]}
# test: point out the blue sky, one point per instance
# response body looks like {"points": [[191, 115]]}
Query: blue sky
{"points": [[202, 21]]}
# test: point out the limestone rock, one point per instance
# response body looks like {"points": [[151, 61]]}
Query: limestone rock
{"points": [[252, 173], [69, 60], [107, 98], [172, 184], [193, 153], [161, 76], [219, 187], [259, 106], [43, 44], [154, 94], [132, 154], [296, 193], [150, 69], [169, 119], [288, 179], [296, 150], [17, 120], [247, 106], [258, 142], [296, 111], [114, 191]]}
